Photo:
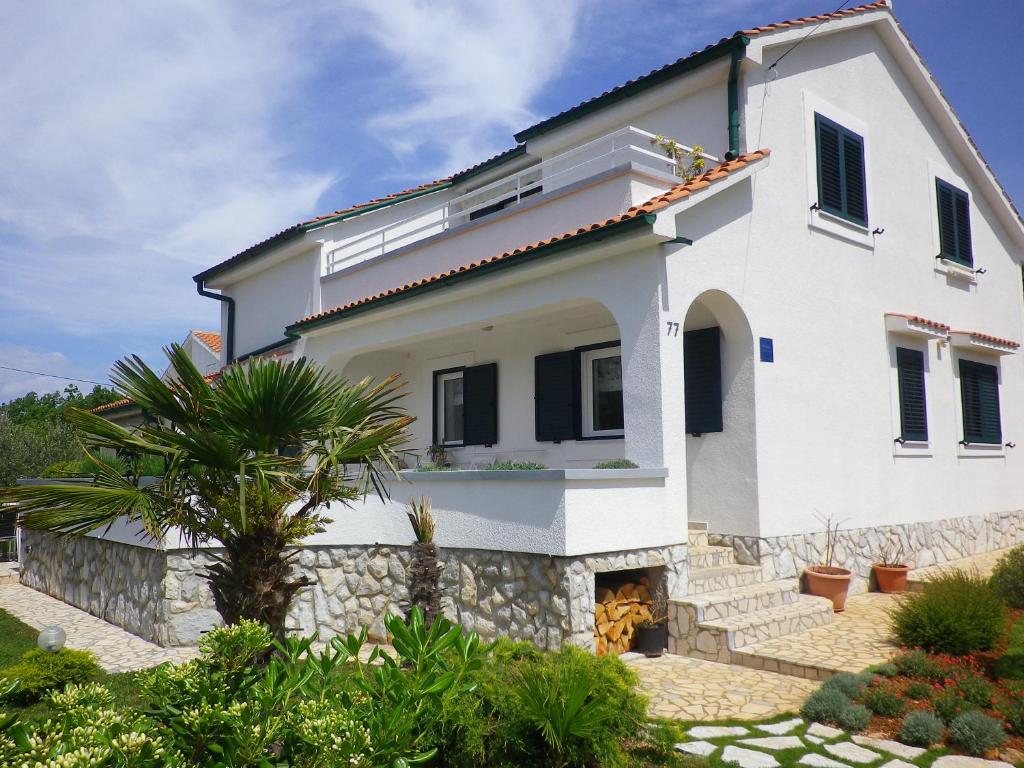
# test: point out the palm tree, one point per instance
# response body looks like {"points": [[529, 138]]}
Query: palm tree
{"points": [[250, 465]]}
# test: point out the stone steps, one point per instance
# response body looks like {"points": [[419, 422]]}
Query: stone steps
{"points": [[702, 557], [698, 535], [703, 580], [755, 597], [9, 574], [745, 629]]}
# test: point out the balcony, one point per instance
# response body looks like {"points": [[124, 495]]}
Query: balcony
{"points": [[628, 151]]}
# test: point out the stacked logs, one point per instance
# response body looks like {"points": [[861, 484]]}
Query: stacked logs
{"points": [[617, 612]]}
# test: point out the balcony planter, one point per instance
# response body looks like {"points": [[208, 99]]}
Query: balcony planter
{"points": [[829, 581], [651, 639], [890, 578]]}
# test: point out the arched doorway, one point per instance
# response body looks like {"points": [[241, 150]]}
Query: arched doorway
{"points": [[721, 460]]}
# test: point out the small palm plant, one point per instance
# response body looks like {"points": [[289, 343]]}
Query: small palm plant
{"points": [[425, 571], [251, 465]]}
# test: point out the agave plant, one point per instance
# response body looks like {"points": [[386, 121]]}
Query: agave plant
{"points": [[251, 464]]}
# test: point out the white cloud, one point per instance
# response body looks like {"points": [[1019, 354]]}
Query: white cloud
{"points": [[464, 74], [16, 383]]}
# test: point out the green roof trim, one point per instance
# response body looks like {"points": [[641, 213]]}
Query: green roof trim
{"points": [[634, 87], [298, 230], [591, 235], [486, 165]]}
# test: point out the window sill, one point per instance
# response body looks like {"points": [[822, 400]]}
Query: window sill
{"points": [[830, 224], [980, 450], [601, 437], [912, 449], [957, 270]]}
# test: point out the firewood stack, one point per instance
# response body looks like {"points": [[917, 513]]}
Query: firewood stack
{"points": [[617, 612]]}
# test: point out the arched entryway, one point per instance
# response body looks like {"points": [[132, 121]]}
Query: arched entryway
{"points": [[721, 461]]}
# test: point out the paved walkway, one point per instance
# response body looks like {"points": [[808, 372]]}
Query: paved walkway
{"points": [[116, 650]]}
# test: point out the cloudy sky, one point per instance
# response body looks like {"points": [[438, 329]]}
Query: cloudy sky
{"points": [[143, 142]]}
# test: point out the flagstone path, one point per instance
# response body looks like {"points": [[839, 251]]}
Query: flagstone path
{"points": [[793, 742]]}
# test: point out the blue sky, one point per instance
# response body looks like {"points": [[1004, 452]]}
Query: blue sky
{"points": [[143, 143]]}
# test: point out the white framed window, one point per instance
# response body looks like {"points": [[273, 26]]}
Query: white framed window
{"points": [[601, 395], [449, 408]]}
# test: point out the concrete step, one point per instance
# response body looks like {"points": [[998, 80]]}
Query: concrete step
{"points": [[703, 580], [697, 538], [710, 557], [734, 602], [745, 629]]}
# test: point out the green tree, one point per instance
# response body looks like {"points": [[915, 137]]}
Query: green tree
{"points": [[251, 464]]}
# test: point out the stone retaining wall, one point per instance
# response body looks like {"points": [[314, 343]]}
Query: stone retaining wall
{"points": [[924, 544], [163, 597]]}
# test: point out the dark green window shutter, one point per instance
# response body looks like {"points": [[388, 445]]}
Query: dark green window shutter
{"points": [[556, 396], [979, 394], [702, 379], [913, 411], [954, 223], [842, 185], [480, 405]]}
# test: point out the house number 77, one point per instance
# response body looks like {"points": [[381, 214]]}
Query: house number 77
{"points": [[673, 328]]}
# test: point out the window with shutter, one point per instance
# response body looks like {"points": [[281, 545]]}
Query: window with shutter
{"points": [[913, 409], [954, 210], [979, 398], [702, 380], [601, 412], [842, 185], [449, 407], [555, 400], [480, 404]]}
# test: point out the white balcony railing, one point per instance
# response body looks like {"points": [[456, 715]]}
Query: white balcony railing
{"points": [[578, 163]]}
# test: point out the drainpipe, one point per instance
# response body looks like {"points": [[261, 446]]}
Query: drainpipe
{"points": [[738, 49], [229, 346]]}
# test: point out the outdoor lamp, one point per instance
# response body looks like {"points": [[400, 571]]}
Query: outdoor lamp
{"points": [[51, 638]]}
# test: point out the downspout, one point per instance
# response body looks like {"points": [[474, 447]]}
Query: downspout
{"points": [[738, 50], [229, 346]]}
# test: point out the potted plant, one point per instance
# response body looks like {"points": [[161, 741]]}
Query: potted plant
{"points": [[826, 579], [652, 634], [891, 569]]}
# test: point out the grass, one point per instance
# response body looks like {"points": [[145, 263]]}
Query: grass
{"points": [[18, 637]]}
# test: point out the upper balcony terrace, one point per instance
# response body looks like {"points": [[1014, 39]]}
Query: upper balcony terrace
{"points": [[591, 182]]}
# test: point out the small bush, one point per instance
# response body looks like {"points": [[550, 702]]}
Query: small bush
{"points": [[975, 690], [40, 672], [976, 732], [917, 663], [849, 684], [921, 729], [1007, 578], [883, 702], [515, 466], [825, 705], [950, 705], [432, 467], [957, 613], [918, 690], [884, 670], [616, 464], [1010, 665], [854, 717]]}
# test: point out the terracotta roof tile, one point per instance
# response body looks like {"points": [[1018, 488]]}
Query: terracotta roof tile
{"points": [[209, 338], [678, 192], [920, 321], [978, 336]]}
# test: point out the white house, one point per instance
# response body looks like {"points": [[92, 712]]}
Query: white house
{"points": [[825, 322]]}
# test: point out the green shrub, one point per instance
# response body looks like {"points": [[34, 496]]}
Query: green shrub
{"points": [[854, 717], [40, 672], [616, 464], [1012, 710], [1007, 578], [888, 669], [1010, 665], [921, 729], [975, 690], [883, 702], [917, 663], [518, 466], [918, 690], [976, 732], [432, 467], [825, 705], [950, 705], [849, 684], [957, 613]]}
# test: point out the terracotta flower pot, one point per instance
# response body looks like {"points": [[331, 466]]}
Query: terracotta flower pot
{"points": [[891, 578], [830, 582]]}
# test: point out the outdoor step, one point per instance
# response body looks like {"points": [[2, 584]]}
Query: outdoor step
{"points": [[703, 580], [746, 629], [734, 602], [697, 538], [710, 557]]}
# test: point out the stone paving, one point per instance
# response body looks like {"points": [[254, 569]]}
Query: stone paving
{"points": [[116, 650], [794, 742], [685, 688]]}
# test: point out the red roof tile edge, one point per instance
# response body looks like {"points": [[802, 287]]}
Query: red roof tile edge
{"points": [[678, 192], [989, 338], [920, 321]]}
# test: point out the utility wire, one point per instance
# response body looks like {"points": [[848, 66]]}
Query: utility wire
{"points": [[52, 375], [802, 39]]}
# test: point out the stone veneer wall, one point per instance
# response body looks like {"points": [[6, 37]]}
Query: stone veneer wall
{"points": [[163, 597], [924, 544]]}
